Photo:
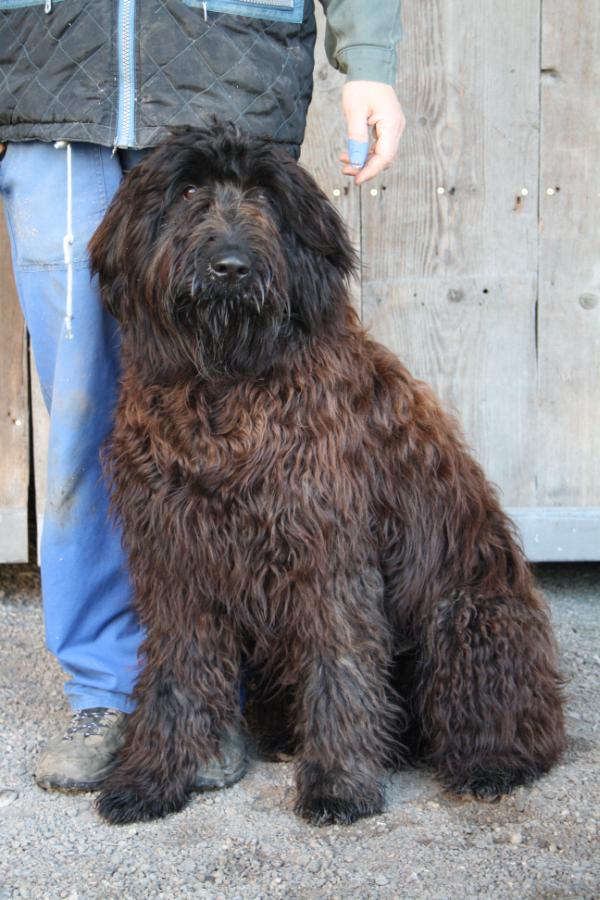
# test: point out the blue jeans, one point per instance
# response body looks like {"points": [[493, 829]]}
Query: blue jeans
{"points": [[90, 625]]}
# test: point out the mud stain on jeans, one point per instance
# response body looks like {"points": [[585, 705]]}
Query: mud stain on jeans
{"points": [[60, 504], [72, 416]]}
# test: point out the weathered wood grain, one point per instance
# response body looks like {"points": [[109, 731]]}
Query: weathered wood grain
{"points": [[569, 283], [450, 236], [40, 421], [14, 415]]}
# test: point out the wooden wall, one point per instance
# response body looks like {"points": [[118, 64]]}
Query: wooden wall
{"points": [[480, 254], [481, 246], [14, 416]]}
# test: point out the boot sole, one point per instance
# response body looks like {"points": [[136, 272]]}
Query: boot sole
{"points": [[70, 787], [201, 784]]}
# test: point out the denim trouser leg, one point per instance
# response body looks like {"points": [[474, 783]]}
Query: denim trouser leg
{"points": [[90, 624]]}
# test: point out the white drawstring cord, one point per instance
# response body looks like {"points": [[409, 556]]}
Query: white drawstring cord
{"points": [[68, 240]]}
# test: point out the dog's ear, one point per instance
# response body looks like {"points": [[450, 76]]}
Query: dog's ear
{"points": [[121, 244], [307, 211]]}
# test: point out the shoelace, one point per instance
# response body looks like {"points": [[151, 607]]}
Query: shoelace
{"points": [[89, 722]]}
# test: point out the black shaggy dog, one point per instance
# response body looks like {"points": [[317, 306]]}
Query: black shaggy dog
{"points": [[294, 501]]}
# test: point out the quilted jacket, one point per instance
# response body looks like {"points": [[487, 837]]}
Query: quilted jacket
{"points": [[121, 72]]}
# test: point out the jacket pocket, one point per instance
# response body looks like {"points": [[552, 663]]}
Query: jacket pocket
{"points": [[275, 10]]}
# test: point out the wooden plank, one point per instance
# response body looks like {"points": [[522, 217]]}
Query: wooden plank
{"points": [[569, 300], [40, 428], [449, 234], [559, 534], [326, 138], [14, 416]]}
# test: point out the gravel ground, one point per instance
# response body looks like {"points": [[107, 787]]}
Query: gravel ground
{"points": [[245, 842]]}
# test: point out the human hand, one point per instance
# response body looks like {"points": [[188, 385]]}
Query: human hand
{"points": [[370, 104]]}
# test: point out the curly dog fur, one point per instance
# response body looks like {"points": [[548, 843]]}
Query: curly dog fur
{"points": [[292, 500]]}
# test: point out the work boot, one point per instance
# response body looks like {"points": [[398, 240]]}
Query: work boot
{"points": [[229, 768], [82, 758]]}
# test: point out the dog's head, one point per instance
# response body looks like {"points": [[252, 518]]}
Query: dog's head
{"points": [[223, 250]]}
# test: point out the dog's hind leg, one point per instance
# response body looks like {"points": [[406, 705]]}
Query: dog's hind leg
{"points": [[187, 694], [488, 696], [486, 689], [344, 712]]}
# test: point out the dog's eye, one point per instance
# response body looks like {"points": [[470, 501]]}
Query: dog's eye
{"points": [[189, 191]]}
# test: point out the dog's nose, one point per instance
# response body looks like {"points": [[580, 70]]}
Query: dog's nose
{"points": [[231, 265]]}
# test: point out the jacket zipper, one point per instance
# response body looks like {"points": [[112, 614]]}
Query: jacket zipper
{"points": [[125, 136]]}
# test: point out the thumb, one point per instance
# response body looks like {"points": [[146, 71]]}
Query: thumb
{"points": [[358, 133]]}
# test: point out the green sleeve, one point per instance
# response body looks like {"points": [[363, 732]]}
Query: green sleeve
{"points": [[361, 38]]}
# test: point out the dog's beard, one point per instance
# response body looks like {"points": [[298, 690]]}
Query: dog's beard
{"points": [[232, 329]]}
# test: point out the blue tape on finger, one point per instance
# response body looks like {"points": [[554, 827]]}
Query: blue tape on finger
{"points": [[357, 151]]}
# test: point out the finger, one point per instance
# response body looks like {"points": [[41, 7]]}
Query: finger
{"points": [[358, 133], [347, 168], [374, 166], [347, 165], [344, 158], [357, 151], [388, 134]]}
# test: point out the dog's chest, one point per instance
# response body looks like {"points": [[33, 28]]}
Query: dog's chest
{"points": [[262, 480]]}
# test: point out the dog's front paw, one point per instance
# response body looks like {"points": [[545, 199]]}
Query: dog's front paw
{"points": [[124, 804], [324, 810], [491, 782], [336, 798]]}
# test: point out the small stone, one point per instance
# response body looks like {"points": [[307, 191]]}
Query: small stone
{"points": [[521, 800], [515, 837], [7, 796], [188, 866], [381, 880], [314, 866]]}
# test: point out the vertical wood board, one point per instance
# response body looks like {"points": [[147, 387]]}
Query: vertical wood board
{"points": [[40, 432], [14, 415], [449, 239], [569, 283]]}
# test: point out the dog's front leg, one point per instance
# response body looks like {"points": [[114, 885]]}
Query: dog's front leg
{"points": [[345, 719], [187, 694]]}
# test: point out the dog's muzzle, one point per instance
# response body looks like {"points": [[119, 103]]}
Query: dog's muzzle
{"points": [[230, 266]]}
